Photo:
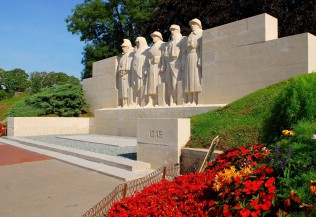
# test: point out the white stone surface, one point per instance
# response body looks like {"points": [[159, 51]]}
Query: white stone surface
{"points": [[98, 167], [246, 55], [35, 126], [159, 141], [101, 91], [103, 139], [311, 53], [123, 122]]}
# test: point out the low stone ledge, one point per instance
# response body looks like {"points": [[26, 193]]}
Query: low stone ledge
{"points": [[191, 159]]}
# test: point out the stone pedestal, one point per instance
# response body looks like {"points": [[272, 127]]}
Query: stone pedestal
{"points": [[159, 141]]}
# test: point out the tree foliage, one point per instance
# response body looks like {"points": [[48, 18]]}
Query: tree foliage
{"points": [[103, 25], [43, 80], [64, 100], [15, 80], [294, 16]]}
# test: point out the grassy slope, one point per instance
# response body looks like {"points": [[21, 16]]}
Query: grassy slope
{"points": [[5, 105], [239, 123]]}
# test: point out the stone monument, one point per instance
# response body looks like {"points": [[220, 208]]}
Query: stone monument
{"points": [[236, 59], [156, 68], [175, 64], [124, 69], [140, 67], [193, 68]]}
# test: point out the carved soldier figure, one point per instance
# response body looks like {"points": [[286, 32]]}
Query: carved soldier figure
{"points": [[124, 68], [139, 70], [193, 69], [175, 57], [156, 68]]}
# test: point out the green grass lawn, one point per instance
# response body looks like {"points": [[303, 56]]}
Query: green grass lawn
{"points": [[6, 104], [242, 122]]}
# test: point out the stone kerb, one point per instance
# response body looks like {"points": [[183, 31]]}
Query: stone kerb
{"points": [[159, 141]]}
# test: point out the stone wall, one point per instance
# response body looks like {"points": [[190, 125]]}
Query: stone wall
{"points": [[123, 122], [191, 159], [101, 90], [37, 126], [244, 56]]}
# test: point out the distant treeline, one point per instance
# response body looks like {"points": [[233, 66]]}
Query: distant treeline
{"points": [[17, 80]]}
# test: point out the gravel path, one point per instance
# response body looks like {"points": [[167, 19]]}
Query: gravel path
{"points": [[126, 152]]}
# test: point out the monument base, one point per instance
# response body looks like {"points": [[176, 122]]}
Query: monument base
{"points": [[123, 122]]}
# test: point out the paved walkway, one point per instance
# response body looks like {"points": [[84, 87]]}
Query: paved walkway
{"points": [[34, 185]]}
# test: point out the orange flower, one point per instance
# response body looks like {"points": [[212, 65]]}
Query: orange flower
{"points": [[245, 171], [313, 186], [288, 132], [294, 196], [287, 202]]}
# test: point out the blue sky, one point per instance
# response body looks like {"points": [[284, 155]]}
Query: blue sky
{"points": [[34, 36]]}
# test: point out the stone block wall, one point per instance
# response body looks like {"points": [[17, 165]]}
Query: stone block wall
{"points": [[37, 126], [101, 90], [244, 56], [123, 122]]}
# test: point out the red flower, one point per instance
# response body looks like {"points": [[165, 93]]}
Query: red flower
{"points": [[255, 204], [257, 155], [266, 206], [269, 170], [254, 214], [227, 213], [243, 150], [269, 182], [271, 189], [211, 203], [237, 180], [245, 212]]}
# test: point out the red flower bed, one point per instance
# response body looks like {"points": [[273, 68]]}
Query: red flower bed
{"points": [[235, 185], [2, 129]]}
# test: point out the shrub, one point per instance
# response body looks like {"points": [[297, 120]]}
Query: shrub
{"points": [[5, 95], [294, 160], [296, 102], [64, 100]]}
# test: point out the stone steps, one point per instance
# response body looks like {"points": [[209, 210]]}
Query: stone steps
{"points": [[120, 168]]}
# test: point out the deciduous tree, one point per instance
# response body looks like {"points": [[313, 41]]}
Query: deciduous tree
{"points": [[15, 80], [43, 80], [294, 16], [103, 25]]}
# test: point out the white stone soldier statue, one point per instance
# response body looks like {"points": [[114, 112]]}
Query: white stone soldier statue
{"points": [[124, 68], [156, 68], [140, 68], [175, 62], [193, 69]]}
